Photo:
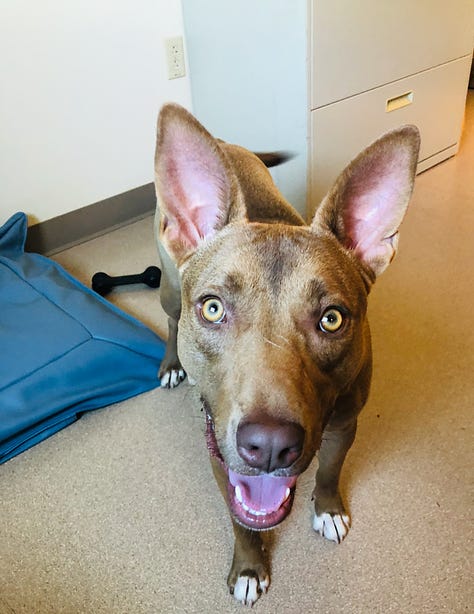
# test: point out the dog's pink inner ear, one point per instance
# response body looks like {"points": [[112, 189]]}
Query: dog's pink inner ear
{"points": [[193, 192], [192, 183], [374, 205], [368, 201]]}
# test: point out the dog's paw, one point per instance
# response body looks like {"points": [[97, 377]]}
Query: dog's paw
{"points": [[172, 378], [334, 527], [248, 585]]}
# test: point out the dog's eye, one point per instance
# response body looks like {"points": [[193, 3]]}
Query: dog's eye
{"points": [[212, 310], [331, 321]]}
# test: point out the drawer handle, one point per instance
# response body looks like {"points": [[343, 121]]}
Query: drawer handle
{"points": [[399, 102]]}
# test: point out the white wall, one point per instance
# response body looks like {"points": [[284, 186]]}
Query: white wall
{"points": [[82, 83]]}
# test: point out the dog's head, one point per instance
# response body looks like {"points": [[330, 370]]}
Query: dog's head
{"points": [[273, 323]]}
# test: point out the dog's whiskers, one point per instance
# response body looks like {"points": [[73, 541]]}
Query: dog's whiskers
{"points": [[272, 343]]}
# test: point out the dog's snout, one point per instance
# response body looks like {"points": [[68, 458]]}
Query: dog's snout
{"points": [[270, 445]]}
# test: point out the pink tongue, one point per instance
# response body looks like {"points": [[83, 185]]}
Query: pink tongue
{"points": [[262, 493]]}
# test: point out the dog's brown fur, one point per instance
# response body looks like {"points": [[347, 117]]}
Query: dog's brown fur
{"points": [[225, 231]]}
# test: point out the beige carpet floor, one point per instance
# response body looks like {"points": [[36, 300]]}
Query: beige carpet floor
{"points": [[119, 512]]}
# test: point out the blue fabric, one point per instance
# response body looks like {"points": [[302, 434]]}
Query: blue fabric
{"points": [[63, 348]]}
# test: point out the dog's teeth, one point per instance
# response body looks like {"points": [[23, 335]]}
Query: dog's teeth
{"points": [[240, 499], [238, 494], [253, 512]]}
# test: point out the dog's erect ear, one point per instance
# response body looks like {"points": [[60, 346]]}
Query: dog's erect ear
{"points": [[196, 189], [366, 205]]}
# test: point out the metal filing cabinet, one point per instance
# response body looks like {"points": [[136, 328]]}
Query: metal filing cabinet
{"points": [[324, 79]]}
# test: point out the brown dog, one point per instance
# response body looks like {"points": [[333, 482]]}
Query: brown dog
{"points": [[272, 318]]}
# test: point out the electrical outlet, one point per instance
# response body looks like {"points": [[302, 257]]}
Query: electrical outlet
{"points": [[175, 57]]}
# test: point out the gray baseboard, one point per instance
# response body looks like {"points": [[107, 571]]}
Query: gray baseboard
{"points": [[66, 230]]}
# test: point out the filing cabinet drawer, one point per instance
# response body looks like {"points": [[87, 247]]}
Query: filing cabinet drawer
{"points": [[433, 100], [357, 46]]}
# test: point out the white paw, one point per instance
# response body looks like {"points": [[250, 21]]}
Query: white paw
{"points": [[334, 527], [248, 589], [172, 378]]}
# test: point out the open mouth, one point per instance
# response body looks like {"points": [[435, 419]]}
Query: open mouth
{"points": [[261, 501], [257, 502]]}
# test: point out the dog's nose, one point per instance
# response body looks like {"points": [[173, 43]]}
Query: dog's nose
{"points": [[270, 445]]}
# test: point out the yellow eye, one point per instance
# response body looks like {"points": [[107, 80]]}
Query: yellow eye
{"points": [[212, 310], [331, 321]]}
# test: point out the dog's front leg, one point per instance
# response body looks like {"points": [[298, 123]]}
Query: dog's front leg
{"points": [[330, 517], [171, 372], [249, 576]]}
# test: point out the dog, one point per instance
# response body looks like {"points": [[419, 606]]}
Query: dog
{"points": [[268, 316]]}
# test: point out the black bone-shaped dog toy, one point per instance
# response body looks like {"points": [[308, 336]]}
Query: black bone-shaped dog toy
{"points": [[103, 283]]}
